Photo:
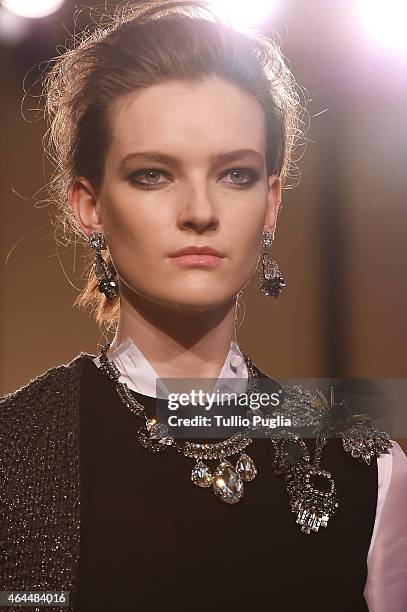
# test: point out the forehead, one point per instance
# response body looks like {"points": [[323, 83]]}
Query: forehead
{"points": [[189, 119]]}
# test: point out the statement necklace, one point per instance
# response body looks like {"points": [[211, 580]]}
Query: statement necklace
{"points": [[227, 479], [311, 489]]}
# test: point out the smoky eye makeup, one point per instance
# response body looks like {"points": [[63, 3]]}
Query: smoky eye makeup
{"points": [[250, 174], [245, 176], [154, 174]]}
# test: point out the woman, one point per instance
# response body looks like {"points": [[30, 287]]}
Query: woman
{"points": [[172, 136]]}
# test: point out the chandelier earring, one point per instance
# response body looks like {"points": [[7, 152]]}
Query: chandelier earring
{"points": [[105, 274], [272, 280]]}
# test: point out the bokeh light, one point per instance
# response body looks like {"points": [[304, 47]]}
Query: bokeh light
{"points": [[243, 15], [386, 21], [32, 8], [13, 28]]}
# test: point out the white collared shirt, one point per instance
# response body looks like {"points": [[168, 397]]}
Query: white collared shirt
{"points": [[140, 376]]}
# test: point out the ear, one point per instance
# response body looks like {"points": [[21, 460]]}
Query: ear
{"points": [[86, 206], [273, 203]]}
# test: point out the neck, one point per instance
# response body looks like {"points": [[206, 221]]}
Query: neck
{"points": [[178, 342]]}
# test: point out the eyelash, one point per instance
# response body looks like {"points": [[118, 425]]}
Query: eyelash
{"points": [[252, 174]]}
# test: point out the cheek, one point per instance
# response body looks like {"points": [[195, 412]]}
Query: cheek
{"points": [[247, 259], [245, 234], [133, 229]]}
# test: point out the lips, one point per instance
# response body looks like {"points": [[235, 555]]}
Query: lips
{"points": [[197, 257], [197, 250]]}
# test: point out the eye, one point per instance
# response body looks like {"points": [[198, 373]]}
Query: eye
{"points": [[151, 175], [245, 177], [240, 173]]}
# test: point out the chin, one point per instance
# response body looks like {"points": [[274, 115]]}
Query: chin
{"points": [[198, 301], [193, 300], [206, 296]]}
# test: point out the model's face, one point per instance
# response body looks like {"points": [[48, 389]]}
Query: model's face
{"points": [[166, 187]]}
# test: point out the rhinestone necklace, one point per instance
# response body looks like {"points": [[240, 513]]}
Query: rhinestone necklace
{"points": [[290, 457], [227, 479]]}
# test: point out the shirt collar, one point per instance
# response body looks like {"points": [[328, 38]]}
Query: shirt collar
{"points": [[140, 376]]}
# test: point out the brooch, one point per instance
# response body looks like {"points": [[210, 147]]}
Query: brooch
{"points": [[311, 489]]}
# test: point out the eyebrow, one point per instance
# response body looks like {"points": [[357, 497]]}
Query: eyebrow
{"points": [[157, 156]]}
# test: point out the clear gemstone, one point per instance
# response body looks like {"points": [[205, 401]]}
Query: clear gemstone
{"points": [[227, 483], [159, 430], [245, 467], [201, 475], [168, 440], [96, 240]]}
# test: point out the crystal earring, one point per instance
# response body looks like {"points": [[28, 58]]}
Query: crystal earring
{"points": [[272, 280], [105, 274]]}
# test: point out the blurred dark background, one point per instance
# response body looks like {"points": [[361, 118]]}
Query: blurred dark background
{"points": [[341, 235]]}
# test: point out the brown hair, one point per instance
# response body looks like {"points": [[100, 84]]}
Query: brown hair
{"points": [[143, 45]]}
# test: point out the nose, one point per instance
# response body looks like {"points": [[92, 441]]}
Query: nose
{"points": [[197, 211]]}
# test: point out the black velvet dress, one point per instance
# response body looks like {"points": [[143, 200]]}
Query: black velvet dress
{"points": [[152, 540]]}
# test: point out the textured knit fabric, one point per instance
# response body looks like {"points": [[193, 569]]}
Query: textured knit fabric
{"points": [[39, 486], [130, 550]]}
